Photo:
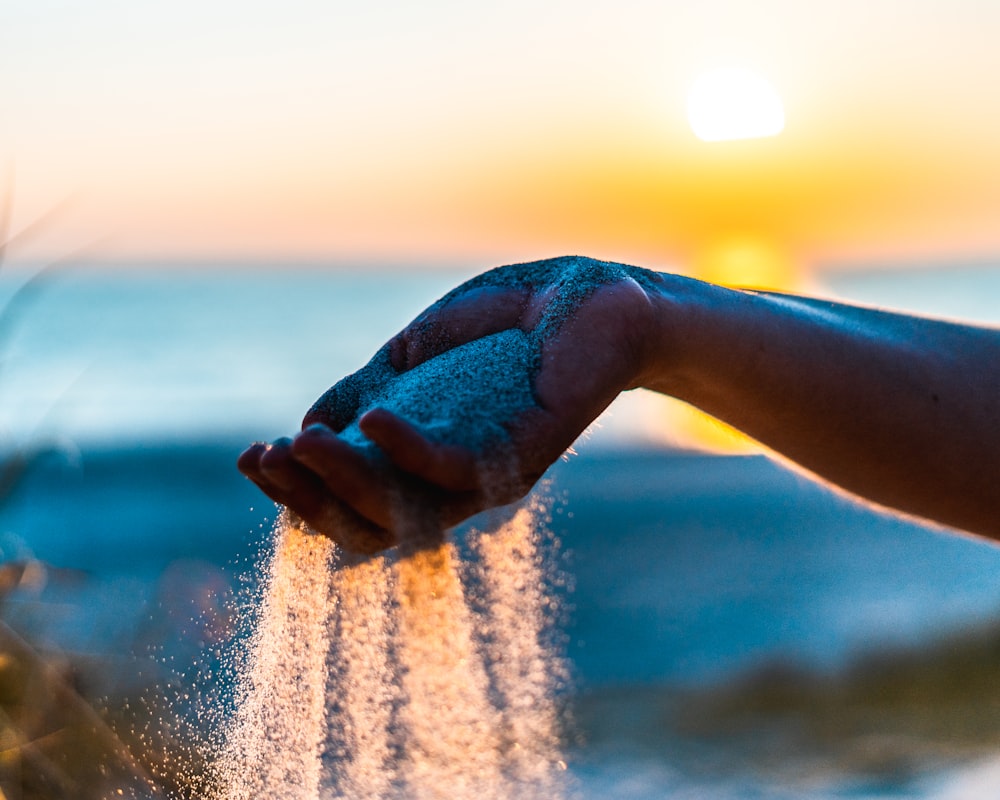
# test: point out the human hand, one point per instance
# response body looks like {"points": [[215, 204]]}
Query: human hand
{"points": [[468, 406]]}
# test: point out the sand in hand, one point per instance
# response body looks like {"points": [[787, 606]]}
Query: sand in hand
{"points": [[418, 673]]}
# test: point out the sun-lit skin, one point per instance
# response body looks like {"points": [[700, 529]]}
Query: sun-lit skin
{"points": [[899, 410]]}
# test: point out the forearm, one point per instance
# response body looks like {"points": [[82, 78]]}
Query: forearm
{"points": [[900, 410]]}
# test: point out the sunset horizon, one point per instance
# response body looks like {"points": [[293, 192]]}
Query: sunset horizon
{"points": [[326, 136]]}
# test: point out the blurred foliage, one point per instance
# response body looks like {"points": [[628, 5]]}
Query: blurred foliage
{"points": [[102, 725], [53, 743], [17, 457], [81, 725], [891, 715]]}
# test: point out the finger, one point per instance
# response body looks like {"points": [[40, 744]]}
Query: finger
{"points": [[345, 472], [279, 468], [290, 484], [283, 479], [475, 314], [249, 464], [249, 461], [450, 467]]}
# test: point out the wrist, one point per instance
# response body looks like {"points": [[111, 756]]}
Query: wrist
{"points": [[668, 322], [679, 352]]}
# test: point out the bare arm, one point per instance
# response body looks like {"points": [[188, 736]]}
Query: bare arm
{"points": [[900, 410]]}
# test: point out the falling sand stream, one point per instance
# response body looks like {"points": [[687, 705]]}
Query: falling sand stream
{"points": [[414, 675]]}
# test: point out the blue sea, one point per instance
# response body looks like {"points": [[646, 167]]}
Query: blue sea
{"points": [[135, 390]]}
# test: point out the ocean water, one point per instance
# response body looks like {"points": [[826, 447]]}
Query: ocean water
{"points": [[132, 354], [966, 291], [686, 570]]}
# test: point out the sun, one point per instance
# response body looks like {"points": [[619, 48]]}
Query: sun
{"points": [[734, 103]]}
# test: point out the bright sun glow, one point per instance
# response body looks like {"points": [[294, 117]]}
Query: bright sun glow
{"points": [[734, 103]]}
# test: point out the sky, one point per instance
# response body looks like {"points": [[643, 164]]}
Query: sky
{"points": [[448, 133]]}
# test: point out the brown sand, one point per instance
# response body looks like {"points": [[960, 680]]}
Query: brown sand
{"points": [[274, 745], [524, 672], [363, 693], [380, 678]]}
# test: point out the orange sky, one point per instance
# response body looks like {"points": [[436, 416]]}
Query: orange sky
{"points": [[330, 132]]}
